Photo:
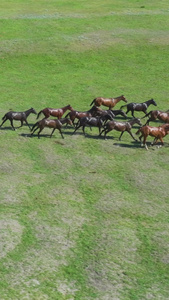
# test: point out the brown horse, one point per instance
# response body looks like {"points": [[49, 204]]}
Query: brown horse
{"points": [[120, 126], [157, 132], [51, 123], [74, 114], [55, 112], [110, 102], [157, 114]]}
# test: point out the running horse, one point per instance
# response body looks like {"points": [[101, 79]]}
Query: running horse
{"points": [[157, 132], [55, 112], [110, 102], [75, 114], [18, 116], [120, 126], [139, 106], [92, 122], [157, 114], [50, 123]]}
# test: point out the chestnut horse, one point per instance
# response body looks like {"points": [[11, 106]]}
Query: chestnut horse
{"points": [[157, 132], [110, 102], [157, 114], [55, 112], [120, 126], [18, 116], [51, 123], [139, 106]]}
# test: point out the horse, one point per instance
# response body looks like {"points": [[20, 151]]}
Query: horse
{"points": [[138, 106], [111, 112], [92, 122], [55, 112], [110, 102], [74, 114], [157, 132], [157, 114], [18, 116], [117, 112], [51, 123], [120, 126]]}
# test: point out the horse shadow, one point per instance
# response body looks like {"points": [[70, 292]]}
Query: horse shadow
{"points": [[7, 128]]}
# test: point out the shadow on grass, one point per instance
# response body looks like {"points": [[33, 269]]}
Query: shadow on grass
{"points": [[7, 128]]}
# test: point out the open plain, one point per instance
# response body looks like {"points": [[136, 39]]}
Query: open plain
{"points": [[83, 218]]}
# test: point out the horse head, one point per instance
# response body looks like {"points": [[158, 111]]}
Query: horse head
{"points": [[123, 98], [153, 102], [33, 111], [135, 121], [70, 107]]}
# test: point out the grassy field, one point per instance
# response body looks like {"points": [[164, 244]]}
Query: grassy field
{"points": [[82, 218]]}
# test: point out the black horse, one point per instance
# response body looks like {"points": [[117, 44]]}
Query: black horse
{"points": [[138, 106], [92, 122], [18, 116]]}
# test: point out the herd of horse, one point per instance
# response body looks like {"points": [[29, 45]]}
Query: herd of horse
{"points": [[98, 117]]}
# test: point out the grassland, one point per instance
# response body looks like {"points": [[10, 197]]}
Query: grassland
{"points": [[82, 218]]}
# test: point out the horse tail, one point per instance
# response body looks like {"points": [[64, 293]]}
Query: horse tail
{"points": [[36, 124], [39, 114], [92, 102], [123, 106], [147, 114], [67, 114], [138, 131], [4, 117]]}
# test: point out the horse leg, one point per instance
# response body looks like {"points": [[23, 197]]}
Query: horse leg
{"points": [[105, 133], [83, 128], [99, 129], [61, 133], [40, 132], [77, 127], [132, 135], [144, 142], [12, 124], [101, 132], [140, 137], [121, 135], [52, 132], [26, 124], [34, 130], [21, 124], [132, 112], [162, 142]]}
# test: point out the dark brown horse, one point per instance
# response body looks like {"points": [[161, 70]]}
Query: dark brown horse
{"points": [[55, 112], [110, 102], [157, 132], [157, 114], [138, 106], [92, 122], [18, 116], [51, 123], [120, 126], [75, 114]]}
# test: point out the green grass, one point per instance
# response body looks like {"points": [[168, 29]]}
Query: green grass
{"points": [[82, 218]]}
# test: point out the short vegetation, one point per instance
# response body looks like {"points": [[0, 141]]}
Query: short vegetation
{"points": [[83, 218]]}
